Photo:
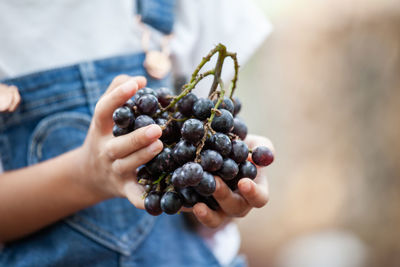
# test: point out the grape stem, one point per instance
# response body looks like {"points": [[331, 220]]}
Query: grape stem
{"points": [[187, 89], [160, 178], [207, 125], [195, 79]]}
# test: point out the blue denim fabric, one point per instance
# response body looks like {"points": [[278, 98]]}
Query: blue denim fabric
{"points": [[159, 14], [53, 117]]}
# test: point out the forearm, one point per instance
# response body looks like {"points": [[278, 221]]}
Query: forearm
{"points": [[34, 197]]}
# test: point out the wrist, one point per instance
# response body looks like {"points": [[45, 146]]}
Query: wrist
{"points": [[83, 178]]}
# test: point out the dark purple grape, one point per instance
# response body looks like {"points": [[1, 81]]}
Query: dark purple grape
{"points": [[239, 152], [154, 166], [224, 122], [143, 173], [142, 121], [229, 169], [207, 185], [168, 162], [123, 117], [202, 108], [177, 178], [130, 103], [148, 188], [262, 156], [239, 128], [185, 104], [152, 203], [178, 116], [171, 133], [189, 196], [147, 104], [164, 115], [225, 104], [163, 162], [192, 130], [171, 202], [247, 170], [210, 202], [119, 131], [192, 173], [237, 106], [183, 152], [211, 160], [232, 184], [221, 143], [208, 143], [145, 91], [164, 96]]}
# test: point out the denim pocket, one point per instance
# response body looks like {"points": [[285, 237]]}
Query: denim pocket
{"points": [[5, 152], [57, 134], [116, 223]]}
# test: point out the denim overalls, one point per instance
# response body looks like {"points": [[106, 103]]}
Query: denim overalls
{"points": [[53, 117]]}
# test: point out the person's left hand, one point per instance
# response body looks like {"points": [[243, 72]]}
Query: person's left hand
{"points": [[250, 194]]}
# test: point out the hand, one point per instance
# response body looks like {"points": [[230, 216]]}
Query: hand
{"points": [[251, 193], [109, 162], [9, 98]]}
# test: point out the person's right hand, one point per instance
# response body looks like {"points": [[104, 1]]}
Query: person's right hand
{"points": [[110, 163]]}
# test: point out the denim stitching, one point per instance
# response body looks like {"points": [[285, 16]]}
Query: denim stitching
{"points": [[141, 230], [39, 113], [47, 125], [91, 86], [44, 79], [5, 152], [96, 233]]}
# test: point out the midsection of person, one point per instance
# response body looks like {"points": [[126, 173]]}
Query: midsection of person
{"points": [[50, 35]]}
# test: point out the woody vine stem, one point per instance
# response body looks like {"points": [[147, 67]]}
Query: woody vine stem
{"points": [[196, 77]]}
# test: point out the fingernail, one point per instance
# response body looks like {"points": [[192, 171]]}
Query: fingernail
{"points": [[246, 187], [154, 147], [153, 131]]}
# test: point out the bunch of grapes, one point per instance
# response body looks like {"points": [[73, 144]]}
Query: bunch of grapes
{"points": [[202, 137]]}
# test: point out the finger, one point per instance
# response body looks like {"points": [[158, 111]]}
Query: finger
{"points": [[231, 203], [124, 145], [207, 216], [255, 194], [120, 79], [128, 165], [16, 99], [6, 98], [111, 101], [254, 141], [134, 192]]}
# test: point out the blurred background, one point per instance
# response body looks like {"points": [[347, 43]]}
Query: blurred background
{"points": [[326, 85]]}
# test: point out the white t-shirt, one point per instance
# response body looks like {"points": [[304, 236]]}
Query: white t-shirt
{"points": [[37, 35], [42, 34]]}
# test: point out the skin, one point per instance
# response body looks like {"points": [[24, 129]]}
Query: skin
{"points": [[104, 167], [251, 193], [9, 98]]}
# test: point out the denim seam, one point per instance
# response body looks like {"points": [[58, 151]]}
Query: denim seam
{"points": [[142, 229], [96, 233], [4, 151], [58, 97], [45, 80], [39, 113], [91, 86], [49, 124]]}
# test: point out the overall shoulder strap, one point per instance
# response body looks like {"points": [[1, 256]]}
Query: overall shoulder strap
{"points": [[157, 13]]}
